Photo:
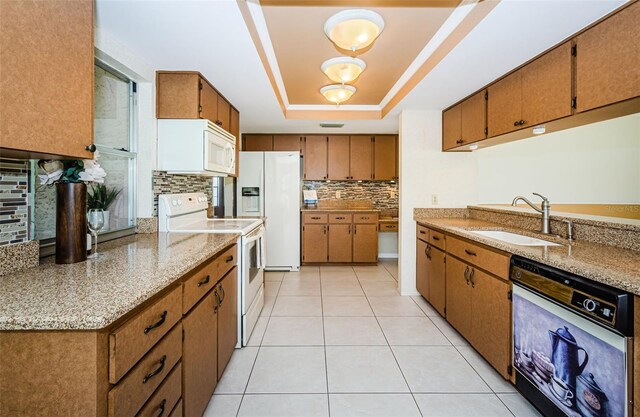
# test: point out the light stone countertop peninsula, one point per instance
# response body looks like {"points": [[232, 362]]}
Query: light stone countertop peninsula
{"points": [[614, 266], [93, 294]]}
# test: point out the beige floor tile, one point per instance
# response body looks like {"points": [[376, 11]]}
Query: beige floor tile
{"points": [[395, 307], [378, 275], [519, 406], [458, 405], [338, 287], [412, 331], [223, 406], [373, 405], [284, 405], [303, 274], [495, 381], [450, 333], [336, 268], [258, 331], [345, 306], [300, 287], [273, 276], [269, 302], [297, 306], [341, 331], [236, 375], [271, 288], [380, 288], [294, 331], [289, 370], [425, 306]]}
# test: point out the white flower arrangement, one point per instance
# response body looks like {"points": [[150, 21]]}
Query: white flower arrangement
{"points": [[74, 170]]}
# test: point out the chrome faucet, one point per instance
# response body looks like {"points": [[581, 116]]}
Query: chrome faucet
{"points": [[544, 210]]}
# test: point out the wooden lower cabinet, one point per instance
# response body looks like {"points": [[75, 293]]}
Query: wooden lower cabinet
{"points": [[227, 319], [437, 284], [365, 242], [340, 243], [422, 266], [458, 296], [314, 243]]}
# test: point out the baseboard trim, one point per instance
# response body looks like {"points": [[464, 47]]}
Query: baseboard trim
{"points": [[387, 256]]}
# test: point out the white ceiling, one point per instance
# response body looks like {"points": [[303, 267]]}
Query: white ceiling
{"points": [[210, 36]]}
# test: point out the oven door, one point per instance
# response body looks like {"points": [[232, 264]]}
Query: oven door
{"points": [[219, 155], [566, 364], [253, 266]]}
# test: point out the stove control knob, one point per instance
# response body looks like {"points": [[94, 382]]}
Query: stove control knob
{"points": [[589, 304], [174, 202]]}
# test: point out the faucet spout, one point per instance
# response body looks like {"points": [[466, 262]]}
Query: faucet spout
{"points": [[544, 209], [533, 206]]}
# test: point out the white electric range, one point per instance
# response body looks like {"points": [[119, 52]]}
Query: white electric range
{"points": [[187, 213]]}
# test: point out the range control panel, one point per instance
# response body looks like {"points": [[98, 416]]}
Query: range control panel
{"points": [[592, 306]]}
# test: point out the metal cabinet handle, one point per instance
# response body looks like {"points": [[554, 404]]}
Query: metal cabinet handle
{"points": [[157, 371], [163, 404], [466, 272], [90, 148], [217, 306], [436, 238], [349, 229], [315, 218], [459, 141], [468, 252], [340, 218], [355, 229], [159, 323], [473, 271], [223, 295], [324, 229], [422, 232], [229, 259], [204, 281]]}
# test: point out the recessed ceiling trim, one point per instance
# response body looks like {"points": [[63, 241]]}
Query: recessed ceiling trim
{"points": [[369, 3], [332, 114], [332, 107]]}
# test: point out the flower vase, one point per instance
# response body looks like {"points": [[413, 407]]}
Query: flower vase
{"points": [[71, 223]]}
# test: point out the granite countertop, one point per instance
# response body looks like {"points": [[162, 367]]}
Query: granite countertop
{"points": [[358, 209], [617, 267], [93, 294]]}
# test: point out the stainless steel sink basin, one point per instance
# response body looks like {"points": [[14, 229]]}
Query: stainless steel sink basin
{"points": [[513, 238]]}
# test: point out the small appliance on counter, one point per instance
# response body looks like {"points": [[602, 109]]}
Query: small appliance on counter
{"points": [[310, 198]]}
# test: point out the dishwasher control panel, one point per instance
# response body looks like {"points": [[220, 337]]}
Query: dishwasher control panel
{"points": [[594, 307]]}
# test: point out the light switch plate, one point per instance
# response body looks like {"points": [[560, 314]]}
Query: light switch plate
{"points": [[434, 199], [338, 194]]}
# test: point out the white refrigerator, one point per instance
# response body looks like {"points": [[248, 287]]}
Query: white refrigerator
{"points": [[269, 185]]}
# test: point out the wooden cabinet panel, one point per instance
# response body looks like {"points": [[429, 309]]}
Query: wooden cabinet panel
{"points": [[195, 287], [365, 242], [315, 158], [422, 273], [314, 243], [365, 218], [46, 94], [341, 218], [437, 239], [208, 101], [227, 319], [458, 296], [491, 319], [504, 105], [177, 95], [423, 233], [286, 143], [361, 158], [488, 259], [474, 118], [385, 151], [177, 410], [452, 127], [318, 218], [608, 60], [340, 243], [436, 276], [200, 350], [546, 87], [224, 113], [338, 157], [258, 143], [166, 397]]}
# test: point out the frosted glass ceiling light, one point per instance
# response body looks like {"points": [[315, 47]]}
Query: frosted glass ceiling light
{"points": [[343, 69], [354, 29], [338, 93]]}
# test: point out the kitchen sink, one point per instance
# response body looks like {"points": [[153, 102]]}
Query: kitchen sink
{"points": [[513, 238]]}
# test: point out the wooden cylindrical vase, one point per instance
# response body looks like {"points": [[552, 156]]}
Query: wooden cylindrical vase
{"points": [[71, 223]]}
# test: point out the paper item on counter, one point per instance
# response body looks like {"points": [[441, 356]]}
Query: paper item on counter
{"points": [[310, 196]]}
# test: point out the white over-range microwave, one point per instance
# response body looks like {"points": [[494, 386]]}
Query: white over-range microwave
{"points": [[195, 146]]}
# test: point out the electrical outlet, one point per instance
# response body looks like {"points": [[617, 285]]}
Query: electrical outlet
{"points": [[434, 199], [338, 194]]}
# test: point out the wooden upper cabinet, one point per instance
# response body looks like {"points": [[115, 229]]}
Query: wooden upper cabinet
{"points": [[258, 143], [473, 115], [209, 99], [224, 113], [504, 107], [452, 127], [338, 158], [361, 158], [546, 87], [315, 158], [46, 80], [608, 60], [287, 143], [385, 152]]}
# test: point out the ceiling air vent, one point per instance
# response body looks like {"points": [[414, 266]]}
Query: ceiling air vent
{"points": [[332, 125]]}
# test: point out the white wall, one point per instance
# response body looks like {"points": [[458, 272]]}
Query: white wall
{"points": [[388, 245], [597, 163], [425, 171]]}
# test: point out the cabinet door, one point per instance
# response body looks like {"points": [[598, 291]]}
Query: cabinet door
{"points": [[208, 101], [491, 319], [338, 158], [177, 95], [224, 113], [437, 284], [608, 60], [340, 243], [286, 143], [46, 99], [361, 158], [452, 127], [474, 117], [422, 261], [546, 87], [458, 296], [199, 355], [314, 243], [315, 158], [227, 319], [385, 154], [258, 143], [504, 105], [365, 243]]}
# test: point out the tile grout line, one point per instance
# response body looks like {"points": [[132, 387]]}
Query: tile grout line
{"points": [[324, 339]]}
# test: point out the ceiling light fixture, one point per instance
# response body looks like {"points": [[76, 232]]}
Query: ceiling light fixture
{"points": [[338, 93], [343, 69], [354, 29]]}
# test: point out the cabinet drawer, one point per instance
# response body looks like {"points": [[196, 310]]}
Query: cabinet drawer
{"points": [[196, 286], [490, 260], [226, 261], [365, 218], [388, 227], [177, 410], [422, 233], [130, 342], [340, 218], [126, 398], [437, 239], [311, 218], [166, 397]]}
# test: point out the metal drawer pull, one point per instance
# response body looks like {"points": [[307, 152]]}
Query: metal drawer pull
{"points": [[365, 218], [468, 252], [223, 295], [315, 218], [422, 232], [163, 404], [229, 259], [217, 306], [473, 271], [340, 218], [157, 371], [204, 281], [466, 272], [159, 323]]}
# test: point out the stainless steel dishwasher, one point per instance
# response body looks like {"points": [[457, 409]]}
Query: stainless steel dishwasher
{"points": [[572, 342]]}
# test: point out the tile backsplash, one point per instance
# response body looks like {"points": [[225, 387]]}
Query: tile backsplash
{"points": [[383, 194], [165, 183], [15, 186]]}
